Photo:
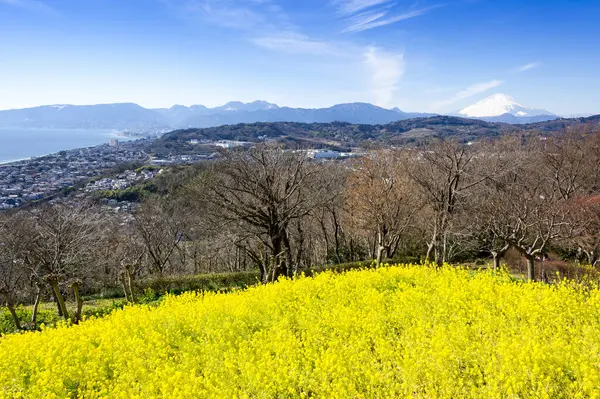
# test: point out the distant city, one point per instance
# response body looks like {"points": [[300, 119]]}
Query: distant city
{"points": [[82, 169]]}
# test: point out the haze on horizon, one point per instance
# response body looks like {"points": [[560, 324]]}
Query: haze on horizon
{"points": [[423, 56]]}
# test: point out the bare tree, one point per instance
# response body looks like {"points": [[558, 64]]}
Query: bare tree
{"points": [[161, 230], [585, 222], [444, 171], [525, 207], [261, 193], [127, 253], [13, 273], [380, 198], [61, 250], [571, 160]]}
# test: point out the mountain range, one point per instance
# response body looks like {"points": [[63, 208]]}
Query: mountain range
{"points": [[128, 116], [132, 117]]}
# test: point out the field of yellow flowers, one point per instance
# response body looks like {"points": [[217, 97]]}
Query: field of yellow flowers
{"points": [[395, 332]]}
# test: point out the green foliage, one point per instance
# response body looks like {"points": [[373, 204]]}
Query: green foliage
{"points": [[148, 167], [104, 310], [45, 316], [203, 282], [148, 296], [48, 316], [135, 193]]}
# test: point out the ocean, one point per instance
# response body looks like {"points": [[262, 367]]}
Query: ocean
{"points": [[17, 144]]}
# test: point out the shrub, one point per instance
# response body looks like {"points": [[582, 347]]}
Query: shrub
{"points": [[200, 282]]}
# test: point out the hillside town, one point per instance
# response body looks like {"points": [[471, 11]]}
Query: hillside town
{"points": [[38, 178]]}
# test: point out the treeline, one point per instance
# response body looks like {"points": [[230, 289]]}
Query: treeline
{"points": [[279, 212]]}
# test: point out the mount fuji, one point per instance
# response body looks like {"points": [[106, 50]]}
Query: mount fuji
{"points": [[503, 108]]}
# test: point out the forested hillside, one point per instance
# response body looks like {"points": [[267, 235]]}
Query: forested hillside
{"points": [[347, 135]]}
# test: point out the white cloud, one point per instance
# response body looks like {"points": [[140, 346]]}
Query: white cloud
{"points": [[249, 15], [370, 20], [231, 14], [386, 69], [467, 93], [296, 43], [527, 67], [348, 7], [361, 15]]}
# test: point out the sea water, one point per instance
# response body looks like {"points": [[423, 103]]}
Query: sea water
{"points": [[17, 143]]}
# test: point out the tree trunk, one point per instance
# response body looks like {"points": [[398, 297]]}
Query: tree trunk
{"points": [[437, 254], [530, 267], [79, 302], [287, 248], [592, 257], [325, 235], [380, 248], [124, 286], [429, 250], [129, 276], [372, 248], [300, 251], [393, 247], [13, 313], [59, 298], [196, 265], [444, 257], [379, 256], [264, 272], [499, 254], [11, 308], [496, 257], [264, 266], [36, 305], [58, 307], [336, 236]]}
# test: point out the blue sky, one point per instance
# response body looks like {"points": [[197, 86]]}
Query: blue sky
{"points": [[418, 55]]}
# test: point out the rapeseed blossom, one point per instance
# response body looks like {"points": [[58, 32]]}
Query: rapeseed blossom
{"points": [[402, 331]]}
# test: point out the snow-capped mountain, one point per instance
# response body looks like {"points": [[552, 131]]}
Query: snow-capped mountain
{"points": [[503, 108]]}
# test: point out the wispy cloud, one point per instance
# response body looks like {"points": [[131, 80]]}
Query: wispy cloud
{"points": [[296, 43], [229, 14], [361, 15], [386, 69], [235, 14], [348, 7], [527, 67], [370, 20], [30, 5], [467, 93]]}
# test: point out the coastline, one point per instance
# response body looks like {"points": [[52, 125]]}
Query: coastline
{"points": [[104, 137], [11, 161]]}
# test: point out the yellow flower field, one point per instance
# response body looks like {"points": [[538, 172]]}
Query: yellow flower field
{"points": [[404, 331]]}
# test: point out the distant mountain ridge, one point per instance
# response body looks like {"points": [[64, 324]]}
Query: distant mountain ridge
{"points": [[128, 116], [133, 117], [102, 116], [261, 111]]}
